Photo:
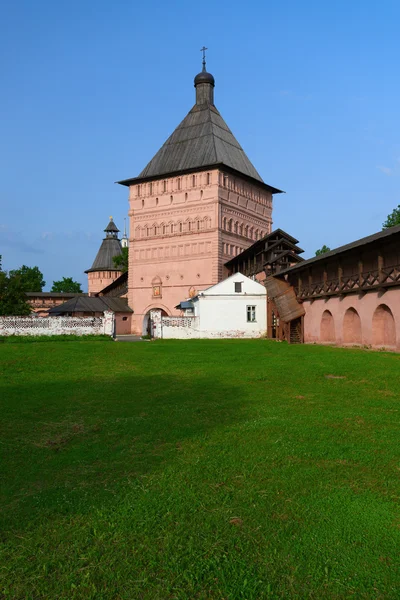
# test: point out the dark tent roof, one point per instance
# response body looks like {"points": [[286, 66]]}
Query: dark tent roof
{"points": [[91, 304], [109, 248], [202, 140]]}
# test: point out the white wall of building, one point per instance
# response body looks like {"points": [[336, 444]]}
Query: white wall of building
{"points": [[222, 311]]}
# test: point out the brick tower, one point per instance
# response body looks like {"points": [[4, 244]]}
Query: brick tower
{"points": [[197, 203]]}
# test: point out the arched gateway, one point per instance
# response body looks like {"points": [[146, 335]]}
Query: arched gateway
{"points": [[148, 324]]}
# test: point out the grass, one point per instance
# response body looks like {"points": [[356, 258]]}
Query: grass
{"points": [[237, 469]]}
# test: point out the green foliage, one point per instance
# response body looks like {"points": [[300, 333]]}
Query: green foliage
{"points": [[31, 278], [67, 284], [392, 219], [121, 261], [12, 295], [322, 250], [186, 469]]}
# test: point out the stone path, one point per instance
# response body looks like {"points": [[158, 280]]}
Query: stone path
{"points": [[129, 338]]}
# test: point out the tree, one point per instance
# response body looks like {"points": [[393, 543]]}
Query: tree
{"points": [[322, 250], [67, 284], [30, 277], [12, 295], [121, 261], [392, 219]]}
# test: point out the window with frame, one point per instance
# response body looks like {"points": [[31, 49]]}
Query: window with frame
{"points": [[251, 314], [238, 287]]}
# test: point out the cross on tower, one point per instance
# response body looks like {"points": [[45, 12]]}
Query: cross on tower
{"points": [[203, 50]]}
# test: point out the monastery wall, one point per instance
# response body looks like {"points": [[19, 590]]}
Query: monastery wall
{"points": [[372, 319]]}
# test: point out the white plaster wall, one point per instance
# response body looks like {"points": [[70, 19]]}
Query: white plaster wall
{"points": [[58, 325], [226, 316], [180, 328]]}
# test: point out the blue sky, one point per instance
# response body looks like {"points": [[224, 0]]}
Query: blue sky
{"points": [[90, 91]]}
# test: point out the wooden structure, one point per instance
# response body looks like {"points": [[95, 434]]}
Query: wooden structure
{"points": [[273, 253], [371, 263]]}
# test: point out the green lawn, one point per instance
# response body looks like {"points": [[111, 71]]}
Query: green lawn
{"points": [[198, 470]]}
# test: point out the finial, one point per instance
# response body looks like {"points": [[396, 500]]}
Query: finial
{"points": [[203, 50], [110, 218]]}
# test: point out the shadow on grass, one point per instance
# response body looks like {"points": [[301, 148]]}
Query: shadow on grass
{"points": [[67, 446]]}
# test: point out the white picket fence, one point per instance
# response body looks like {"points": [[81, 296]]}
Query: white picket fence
{"points": [[58, 325]]}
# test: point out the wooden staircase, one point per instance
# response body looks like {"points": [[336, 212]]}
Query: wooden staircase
{"points": [[295, 332]]}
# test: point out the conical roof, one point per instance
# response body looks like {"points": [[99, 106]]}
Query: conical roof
{"points": [[110, 247], [111, 226], [201, 139]]}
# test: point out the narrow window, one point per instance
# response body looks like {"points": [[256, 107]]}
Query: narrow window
{"points": [[179, 183], [150, 188], [208, 178], [186, 196], [251, 314], [138, 190], [164, 185], [238, 287], [225, 180], [193, 180]]}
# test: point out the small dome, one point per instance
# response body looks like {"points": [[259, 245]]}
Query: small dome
{"points": [[204, 77]]}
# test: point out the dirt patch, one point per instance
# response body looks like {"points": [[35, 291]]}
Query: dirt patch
{"points": [[335, 376]]}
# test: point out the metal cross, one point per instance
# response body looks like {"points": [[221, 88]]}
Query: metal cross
{"points": [[203, 50]]}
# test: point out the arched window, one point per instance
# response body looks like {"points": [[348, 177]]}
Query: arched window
{"points": [[179, 183], [224, 223], [383, 327], [193, 180], [164, 185], [236, 227], [171, 198], [230, 225], [186, 196], [327, 329]]}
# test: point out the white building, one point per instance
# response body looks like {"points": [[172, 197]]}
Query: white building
{"points": [[233, 308]]}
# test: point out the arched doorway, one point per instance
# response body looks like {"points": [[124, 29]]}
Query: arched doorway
{"points": [[383, 327], [327, 332], [147, 328], [352, 327]]}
